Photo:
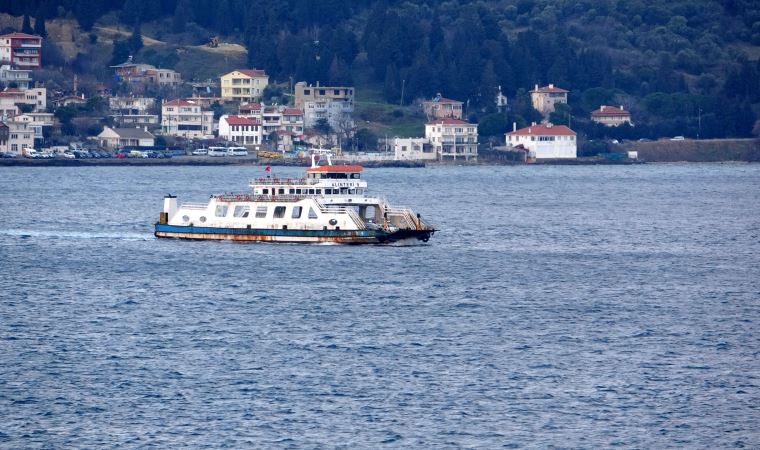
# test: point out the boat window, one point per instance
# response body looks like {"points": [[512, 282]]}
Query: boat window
{"points": [[298, 191], [344, 190], [185, 219], [241, 211], [203, 219], [319, 191], [311, 191], [221, 210], [265, 191], [292, 191], [261, 212], [279, 212], [312, 213], [296, 214], [370, 212], [281, 191], [360, 191], [355, 176], [352, 191]]}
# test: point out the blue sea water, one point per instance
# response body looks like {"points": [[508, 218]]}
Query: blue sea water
{"points": [[558, 307]]}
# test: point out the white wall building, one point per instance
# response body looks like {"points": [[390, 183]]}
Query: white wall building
{"points": [[22, 78], [241, 130], [115, 138], [20, 137], [545, 140], [131, 105], [186, 118], [453, 139], [405, 149]]}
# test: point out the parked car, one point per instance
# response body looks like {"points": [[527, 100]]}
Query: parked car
{"points": [[237, 151], [217, 151], [68, 155], [121, 155], [200, 152]]}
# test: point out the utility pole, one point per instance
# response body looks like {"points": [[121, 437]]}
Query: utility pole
{"points": [[699, 122], [403, 84]]}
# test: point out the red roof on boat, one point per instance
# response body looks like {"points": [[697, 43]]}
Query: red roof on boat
{"points": [[338, 168]]}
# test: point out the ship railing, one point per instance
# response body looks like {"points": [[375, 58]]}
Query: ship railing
{"points": [[405, 218], [258, 198], [283, 181], [348, 210]]}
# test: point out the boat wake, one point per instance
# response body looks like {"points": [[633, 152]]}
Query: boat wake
{"points": [[49, 234]]}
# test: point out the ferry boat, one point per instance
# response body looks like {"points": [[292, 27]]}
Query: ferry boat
{"points": [[330, 204]]}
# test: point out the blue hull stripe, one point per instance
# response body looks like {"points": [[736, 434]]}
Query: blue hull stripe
{"points": [[271, 232]]}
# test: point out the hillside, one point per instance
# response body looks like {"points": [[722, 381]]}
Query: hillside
{"points": [[685, 67]]}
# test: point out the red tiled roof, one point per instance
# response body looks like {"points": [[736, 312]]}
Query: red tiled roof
{"points": [[253, 72], [180, 102], [610, 111], [449, 121], [551, 89], [236, 120], [543, 130], [340, 168], [19, 36], [292, 112], [250, 106]]}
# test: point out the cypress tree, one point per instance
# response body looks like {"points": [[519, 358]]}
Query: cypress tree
{"points": [[27, 26], [39, 23], [135, 42]]}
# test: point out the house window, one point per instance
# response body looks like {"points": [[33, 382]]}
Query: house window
{"points": [[279, 212], [296, 214], [261, 212]]}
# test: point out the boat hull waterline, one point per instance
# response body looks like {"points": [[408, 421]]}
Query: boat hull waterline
{"points": [[293, 236]]}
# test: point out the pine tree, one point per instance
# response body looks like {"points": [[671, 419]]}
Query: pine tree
{"points": [[27, 26]]}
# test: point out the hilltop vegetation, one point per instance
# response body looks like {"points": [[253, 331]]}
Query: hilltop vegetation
{"points": [[682, 67]]}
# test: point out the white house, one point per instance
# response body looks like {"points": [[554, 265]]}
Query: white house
{"points": [[412, 149], [20, 137], [241, 130], [114, 138], [453, 139], [611, 116], [186, 118], [545, 140]]}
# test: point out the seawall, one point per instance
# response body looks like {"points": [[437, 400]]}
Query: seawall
{"points": [[707, 150]]}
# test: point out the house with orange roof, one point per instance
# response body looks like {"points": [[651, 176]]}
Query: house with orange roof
{"points": [[241, 130], [545, 98], [441, 108], [244, 85], [611, 116], [544, 140]]}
